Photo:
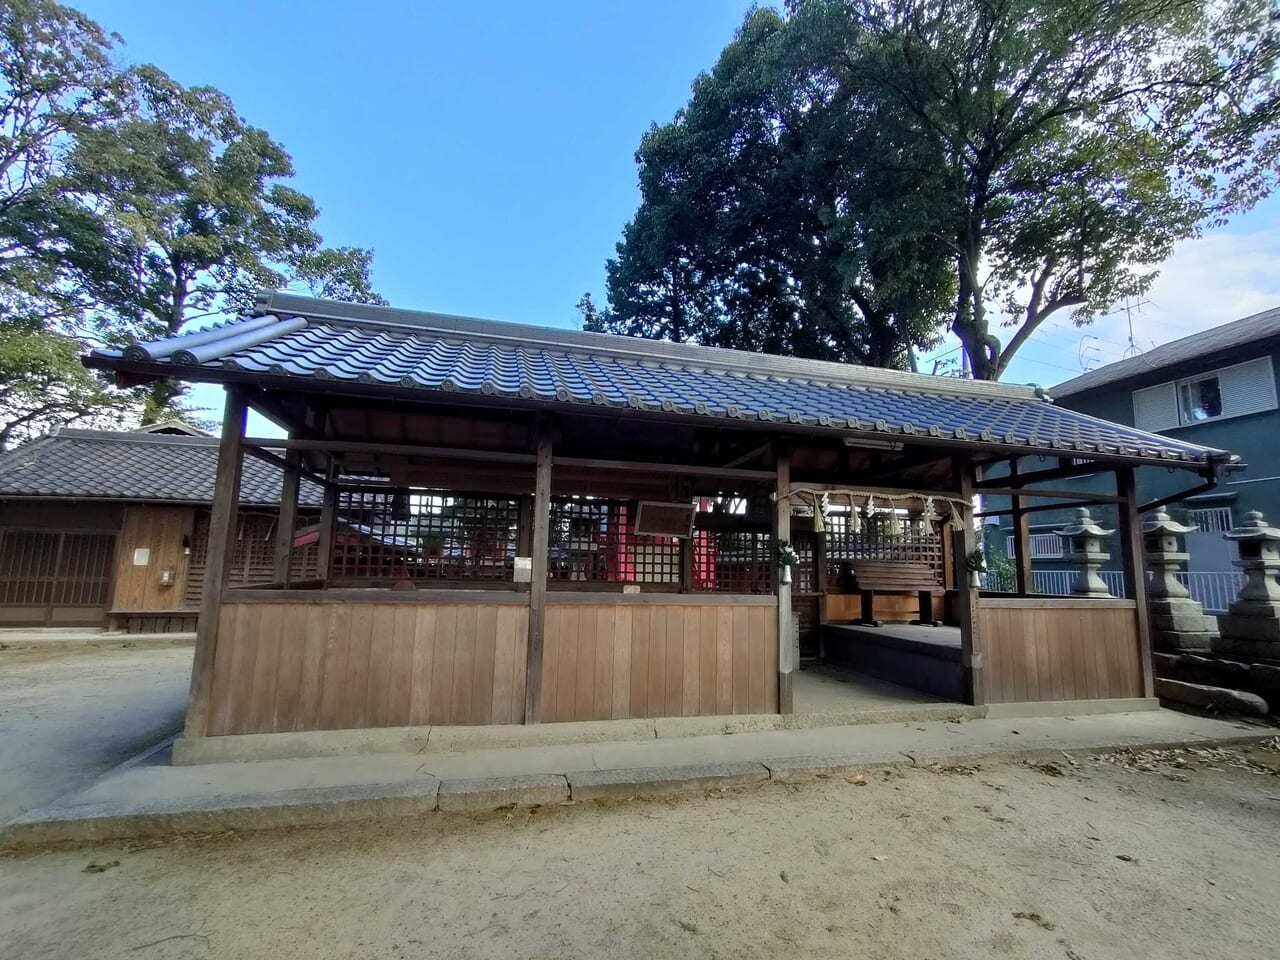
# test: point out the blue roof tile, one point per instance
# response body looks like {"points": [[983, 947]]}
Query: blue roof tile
{"points": [[427, 352]]}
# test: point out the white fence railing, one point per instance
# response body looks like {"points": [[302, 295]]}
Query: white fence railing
{"points": [[1051, 583], [1214, 590]]}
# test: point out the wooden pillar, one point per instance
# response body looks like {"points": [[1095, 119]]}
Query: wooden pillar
{"points": [[965, 541], [222, 528], [1135, 577], [1021, 539], [324, 536], [286, 521], [788, 644], [540, 547]]}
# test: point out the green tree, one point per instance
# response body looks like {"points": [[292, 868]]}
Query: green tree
{"points": [[762, 228], [199, 214], [1074, 142], [43, 385], [56, 82]]}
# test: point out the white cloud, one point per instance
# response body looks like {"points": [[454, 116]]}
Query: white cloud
{"points": [[1207, 282]]}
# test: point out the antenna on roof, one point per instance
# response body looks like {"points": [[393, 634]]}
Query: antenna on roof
{"points": [[1132, 350]]}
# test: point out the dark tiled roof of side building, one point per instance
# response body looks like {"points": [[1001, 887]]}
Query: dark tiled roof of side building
{"points": [[356, 349], [1238, 333], [134, 466]]}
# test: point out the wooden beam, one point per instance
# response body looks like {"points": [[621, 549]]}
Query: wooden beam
{"points": [[1021, 539], [750, 455], [692, 469], [288, 517], [281, 462], [404, 449], [1135, 577], [965, 541], [1038, 476], [324, 538], [1037, 507], [222, 526], [788, 650], [541, 546], [1083, 495]]}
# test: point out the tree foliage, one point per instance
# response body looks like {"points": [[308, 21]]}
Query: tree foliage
{"points": [[200, 215], [761, 229], [854, 175], [43, 385], [131, 206]]}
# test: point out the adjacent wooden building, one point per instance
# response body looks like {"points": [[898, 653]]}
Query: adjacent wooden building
{"points": [[106, 528], [525, 525]]}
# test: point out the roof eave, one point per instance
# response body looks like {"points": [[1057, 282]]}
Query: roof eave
{"points": [[355, 388]]}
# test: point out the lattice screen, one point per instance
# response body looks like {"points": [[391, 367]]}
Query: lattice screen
{"points": [[885, 535], [425, 535], [733, 561], [593, 541]]}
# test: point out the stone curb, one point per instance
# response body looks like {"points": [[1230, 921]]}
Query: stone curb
{"points": [[655, 781], [69, 825], [490, 793], [92, 823]]}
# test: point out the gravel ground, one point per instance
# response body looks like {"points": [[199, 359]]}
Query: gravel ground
{"points": [[1162, 855], [68, 715]]}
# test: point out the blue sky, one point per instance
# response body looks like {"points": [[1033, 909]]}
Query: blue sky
{"points": [[486, 151]]}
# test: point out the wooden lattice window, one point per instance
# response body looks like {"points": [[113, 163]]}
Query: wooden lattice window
{"points": [[424, 535], [50, 567], [733, 561], [593, 541], [884, 535]]}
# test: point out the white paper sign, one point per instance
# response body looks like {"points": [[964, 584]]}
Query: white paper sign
{"points": [[523, 570], [141, 556]]}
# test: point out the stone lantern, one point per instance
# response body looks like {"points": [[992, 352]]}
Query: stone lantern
{"points": [[1177, 621], [1251, 626], [1083, 546]]}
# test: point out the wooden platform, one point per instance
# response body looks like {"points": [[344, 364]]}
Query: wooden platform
{"points": [[919, 657]]}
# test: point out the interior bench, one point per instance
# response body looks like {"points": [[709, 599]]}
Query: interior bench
{"points": [[896, 576]]}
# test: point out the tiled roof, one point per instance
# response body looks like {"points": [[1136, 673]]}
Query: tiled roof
{"points": [[351, 348], [1238, 333], [106, 465]]}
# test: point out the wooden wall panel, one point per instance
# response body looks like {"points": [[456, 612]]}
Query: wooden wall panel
{"points": [[890, 607], [316, 665], [606, 661], [1059, 649], [160, 531]]}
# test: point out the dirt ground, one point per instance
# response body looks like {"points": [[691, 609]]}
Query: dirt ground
{"points": [[1173, 855], [68, 715]]}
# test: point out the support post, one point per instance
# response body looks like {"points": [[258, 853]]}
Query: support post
{"points": [[1021, 539], [324, 536], [287, 519], [524, 533], [222, 526], [541, 546], [788, 650], [1135, 578], [965, 541]]}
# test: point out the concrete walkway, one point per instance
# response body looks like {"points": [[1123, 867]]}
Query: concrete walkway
{"points": [[77, 638], [152, 798]]}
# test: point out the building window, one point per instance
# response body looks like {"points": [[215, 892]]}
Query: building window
{"points": [[1199, 399], [1233, 391]]}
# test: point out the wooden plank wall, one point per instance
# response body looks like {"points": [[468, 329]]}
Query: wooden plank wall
{"points": [[161, 531], [606, 661], [315, 665], [1058, 649]]}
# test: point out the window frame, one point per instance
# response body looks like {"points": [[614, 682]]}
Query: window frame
{"points": [[1187, 384]]}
